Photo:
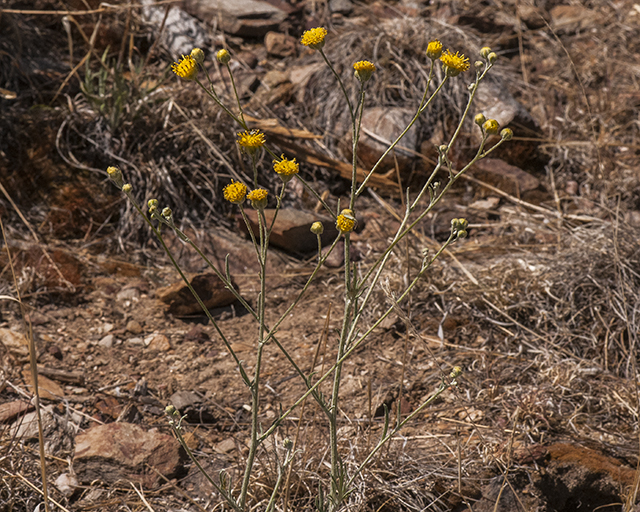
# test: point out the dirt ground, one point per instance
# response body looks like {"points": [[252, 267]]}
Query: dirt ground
{"points": [[539, 305]]}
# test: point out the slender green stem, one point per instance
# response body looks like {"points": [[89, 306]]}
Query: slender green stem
{"points": [[353, 347], [344, 91], [177, 430], [255, 384], [423, 106], [355, 137], [394, 431], [235, 92], [317, 196], [158, 234], [215, 98]]}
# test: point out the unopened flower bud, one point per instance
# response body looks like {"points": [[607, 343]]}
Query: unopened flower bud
{"points": [[479, 119], [317, 228], [198, 55], [170, 410], [455, 372], [492, 57], [443, 148], [152, 204], [167, 213], [288, 444], [471, 87], [479, 65], [223, 56], [126, 188], [462, 233], [506, 134], [491, 126], [485, 51], [116, 176]]}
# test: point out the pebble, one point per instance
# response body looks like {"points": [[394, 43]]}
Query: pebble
{"points": [[107, 341]]}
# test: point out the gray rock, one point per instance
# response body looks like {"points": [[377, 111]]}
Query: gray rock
{"points": [[247, 18], [107, 341], [380, 127], [182, 32]]}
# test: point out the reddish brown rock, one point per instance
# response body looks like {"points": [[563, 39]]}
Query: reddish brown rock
{"points": [[10, 410], [280, 45], [209, 288], [122, 451], [508, 178], [291, 231], [47, 388]]}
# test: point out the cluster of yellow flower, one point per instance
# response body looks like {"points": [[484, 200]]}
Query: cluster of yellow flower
{"points": [[251, 141]]}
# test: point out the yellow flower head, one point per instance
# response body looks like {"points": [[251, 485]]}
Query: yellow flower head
{"points": [[258, 198], [285, 168], [314, 38], [434, 50], [235, 192], [364, 70], [187, 68], [454, 63], [346, 221], [251, 141]]}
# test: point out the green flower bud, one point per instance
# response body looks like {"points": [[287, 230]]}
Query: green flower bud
{"points": [[116, 176], [170, 410], [491, 126], [317, 228], [492, 57], [479, 119], [485, 51], [479, 65], [167, 213], [153, 205], [198, 55], [506, 134], [223, 56], [126, 188], [455, 372]]}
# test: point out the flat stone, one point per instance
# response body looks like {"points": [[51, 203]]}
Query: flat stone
{"points": [[280, 45], [494, 100], [47, 388], [107, 341], [181, 32], [246, 18], [571, 18], [380, 127], [157, 342], [291, 231], [122, 451], [508, 178], [10, 410], [134, 327], [16, 343], [209, 288]]}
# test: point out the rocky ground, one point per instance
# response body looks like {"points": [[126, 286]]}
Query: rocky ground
{"points": [[539, 305]]}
